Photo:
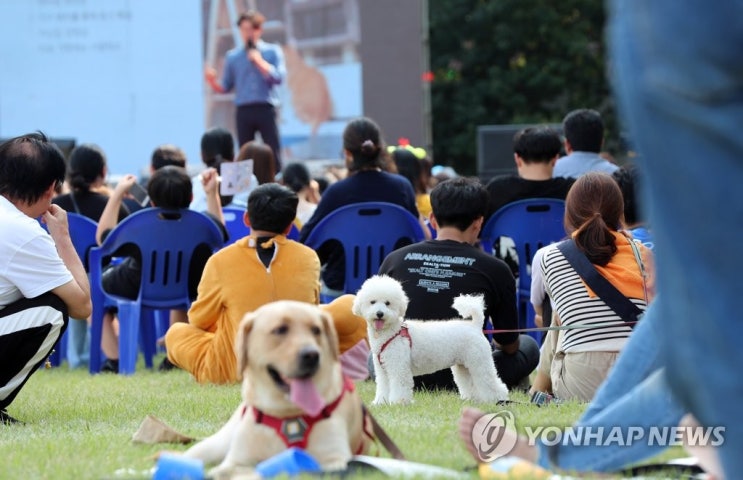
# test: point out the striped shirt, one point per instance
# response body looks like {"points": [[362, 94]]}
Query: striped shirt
{"points": [[576, 307]]}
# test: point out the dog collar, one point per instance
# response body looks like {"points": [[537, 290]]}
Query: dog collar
{"points": [[295, 431], [403, 332]]}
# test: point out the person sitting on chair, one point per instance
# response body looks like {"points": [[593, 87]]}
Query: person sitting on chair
{"points": [[535, 151], [365, 152], [297, 177], [170, 188], [584, 138], [87, 179], [217, 147]]}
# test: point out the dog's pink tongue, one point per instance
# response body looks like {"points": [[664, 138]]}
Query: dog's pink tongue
{"points": [[303, 394], [378, 324]]}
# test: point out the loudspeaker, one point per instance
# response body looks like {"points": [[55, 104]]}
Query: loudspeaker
{"points": [[64, 144], [495, 149]]}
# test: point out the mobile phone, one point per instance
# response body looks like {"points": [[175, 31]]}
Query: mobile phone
{"points": [[140, 194]]}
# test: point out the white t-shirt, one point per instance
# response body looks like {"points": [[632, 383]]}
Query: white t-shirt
{"points": [[29, 262], [305, 210], [538, 291]]}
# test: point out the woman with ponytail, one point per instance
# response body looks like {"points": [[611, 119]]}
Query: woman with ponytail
{"points": [[365, 154], [575, 360], [86, 177]]}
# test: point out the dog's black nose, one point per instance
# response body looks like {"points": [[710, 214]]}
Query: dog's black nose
{"points": [[309, 361], [380, 314]]}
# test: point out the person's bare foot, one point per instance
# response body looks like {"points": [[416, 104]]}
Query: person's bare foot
{"points": [[509, 442], [465, 425]]}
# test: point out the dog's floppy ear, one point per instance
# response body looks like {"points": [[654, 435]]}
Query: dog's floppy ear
{"points": [[241, 342], [330, 333]]}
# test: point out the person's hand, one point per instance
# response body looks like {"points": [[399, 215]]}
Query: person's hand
{"points": [[56, 222], [210, 181], [538, 321], [254, 55], [313, 196], [210, 74], [124, 185]]}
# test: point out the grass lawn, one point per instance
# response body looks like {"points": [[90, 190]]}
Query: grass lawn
{"points": [[79, 426]]}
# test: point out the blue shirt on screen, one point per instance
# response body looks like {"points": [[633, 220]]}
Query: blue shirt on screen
{"points": [[249, 84]]}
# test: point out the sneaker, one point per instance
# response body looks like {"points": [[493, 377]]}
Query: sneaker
{"points": [[542, 398], [6, 419], [110, 366], [166, 365]]}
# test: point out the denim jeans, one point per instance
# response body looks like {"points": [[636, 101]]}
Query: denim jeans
{"points": [[78, 343], [677, 69], [635, 394]]}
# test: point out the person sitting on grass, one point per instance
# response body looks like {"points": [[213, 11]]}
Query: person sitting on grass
{"points": [[260, 268], [575, 361], [459, 208]]}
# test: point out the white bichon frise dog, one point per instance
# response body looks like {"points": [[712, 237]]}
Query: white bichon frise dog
{"points": [[403, 348]]}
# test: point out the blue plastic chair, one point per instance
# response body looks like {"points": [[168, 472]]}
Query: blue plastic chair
{"points": [[236, 228], [167, 240], [368, 231], [82, 234], [532, 224], [233, 222]]}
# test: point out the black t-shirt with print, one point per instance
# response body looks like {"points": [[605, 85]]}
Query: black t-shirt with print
{"points": [[434, 272], [510, 188]]}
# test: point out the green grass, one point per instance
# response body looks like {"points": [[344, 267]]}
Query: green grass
{"points": [[80, 426]]}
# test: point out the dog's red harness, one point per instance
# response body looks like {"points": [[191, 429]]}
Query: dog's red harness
{"points": [[403, 332], [295, 431]]}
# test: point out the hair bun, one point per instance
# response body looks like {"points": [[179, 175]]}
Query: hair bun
{"points": [[368, 147]]}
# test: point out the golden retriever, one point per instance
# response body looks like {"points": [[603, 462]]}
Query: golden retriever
{"points": [[294, 394]]}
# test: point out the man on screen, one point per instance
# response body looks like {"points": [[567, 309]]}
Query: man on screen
{"points": [[254, 70]]}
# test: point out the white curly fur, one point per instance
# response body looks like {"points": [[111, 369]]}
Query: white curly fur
{"points": [[453, 343]]}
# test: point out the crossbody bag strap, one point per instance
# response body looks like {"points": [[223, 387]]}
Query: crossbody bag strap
{"points": [[622, 306], [641, 265]]}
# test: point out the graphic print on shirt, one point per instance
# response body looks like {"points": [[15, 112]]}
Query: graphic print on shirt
{"points": [[436, 271]]}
